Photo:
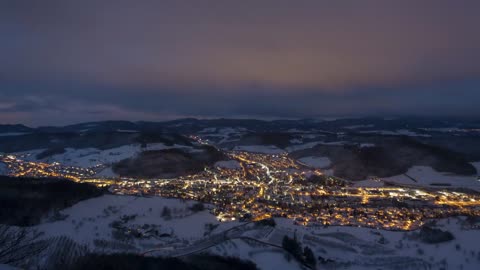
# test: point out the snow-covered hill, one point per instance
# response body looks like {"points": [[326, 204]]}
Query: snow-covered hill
{"points": [[264, 149], [3, 169], [92, 220], [90, 157], [114, 223], [427, 176], [316, 162]]}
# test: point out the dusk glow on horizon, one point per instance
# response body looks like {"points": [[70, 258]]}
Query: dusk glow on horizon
{"points": [[70, 61]]}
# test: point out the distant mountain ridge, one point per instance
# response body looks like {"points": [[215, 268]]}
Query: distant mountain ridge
{"points": [[357, 147], [193, 124], [15, 128]]}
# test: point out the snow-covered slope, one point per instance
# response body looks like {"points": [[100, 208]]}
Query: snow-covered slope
{"points": [[222, 135], [264, 149], [3, 169], [265, 257], [308, 145], [90, 157], [91, 219], [363, 248], [477, 166], [426, 176], [404, 132], [316, 162]]}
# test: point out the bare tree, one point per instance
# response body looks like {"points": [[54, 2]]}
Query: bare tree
{"points": [[18, 244]]}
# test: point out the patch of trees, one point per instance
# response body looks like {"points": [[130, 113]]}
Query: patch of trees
{"points": [[25, 201], [197, 207], [324, 180], [391, 156], [62, 251], [50, 152], [166, 213], [209, 228], [168, 162], [18, 244], [168, 139], [434, 236], [266, 222], [304, 255], [214, 262]]}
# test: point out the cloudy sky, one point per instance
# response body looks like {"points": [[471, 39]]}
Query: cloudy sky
{"points": [[71, 61]]}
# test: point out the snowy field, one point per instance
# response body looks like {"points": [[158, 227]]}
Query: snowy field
{"points": [[265, 257], [477, 166], [403, 132], [90, 157], [3, 169], [91, 221], [29, 155], [311, 145], [223, 135], [316, 162], [425, 176], [264, 149], [359, 247]]}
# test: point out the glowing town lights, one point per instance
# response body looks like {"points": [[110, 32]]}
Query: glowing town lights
{"points": [[266, 186]]}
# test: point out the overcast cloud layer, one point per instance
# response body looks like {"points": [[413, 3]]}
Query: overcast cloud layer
{"points": [[69, 61]]}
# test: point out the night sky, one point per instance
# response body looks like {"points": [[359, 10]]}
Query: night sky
{"points": [[72, 61]]}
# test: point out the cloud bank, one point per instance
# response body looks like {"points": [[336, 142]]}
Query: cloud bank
{"points": [[94, 60]]}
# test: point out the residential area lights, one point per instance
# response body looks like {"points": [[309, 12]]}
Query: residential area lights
{"points": [[265, 186]]}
